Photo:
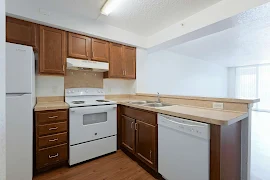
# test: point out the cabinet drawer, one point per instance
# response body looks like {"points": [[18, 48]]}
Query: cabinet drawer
{"points": [[52, 128], [51, 116], [141, 115], [51, 156], [52, 140]]}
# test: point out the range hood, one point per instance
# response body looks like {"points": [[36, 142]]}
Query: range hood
{"points": [[78, 64]]}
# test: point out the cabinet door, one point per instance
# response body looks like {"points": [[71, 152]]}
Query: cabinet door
{"points": [[79, 46], [116, 61], [130, 62], [146, 143], [100, 50], [52, 56], [21, 32], [128, 133]]}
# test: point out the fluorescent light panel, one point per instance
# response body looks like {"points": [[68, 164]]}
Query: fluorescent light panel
{"points": [[109, 6]]}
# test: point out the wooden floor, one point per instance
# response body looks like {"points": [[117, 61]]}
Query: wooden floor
{"points": [[115, 166]]}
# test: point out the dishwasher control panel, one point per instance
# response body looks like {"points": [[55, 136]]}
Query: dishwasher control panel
{"points": [[201, 130]]}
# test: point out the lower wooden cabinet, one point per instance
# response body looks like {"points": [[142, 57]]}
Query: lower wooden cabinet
{"points": [[51, 139], [146, 143], [139, 134], [128, 133]]}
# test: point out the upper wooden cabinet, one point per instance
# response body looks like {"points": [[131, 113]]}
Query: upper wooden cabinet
{"points": [[116, 61], [129, 62], [100, 50], [22, 32], [52, 54], [79, 46], [122, 62]]}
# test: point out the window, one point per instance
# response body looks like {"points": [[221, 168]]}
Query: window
{"points": [[254, 82]]}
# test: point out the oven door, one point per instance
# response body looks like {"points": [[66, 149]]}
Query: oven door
{"points": [[91, 123]]}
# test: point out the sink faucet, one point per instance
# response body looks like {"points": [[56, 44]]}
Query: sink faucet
{"points": [[158, 97]]}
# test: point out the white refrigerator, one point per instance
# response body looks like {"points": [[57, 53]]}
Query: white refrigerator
{"points": [[20, 101]]}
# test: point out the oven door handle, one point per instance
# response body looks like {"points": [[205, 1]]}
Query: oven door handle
{"points": [[93, 109]]}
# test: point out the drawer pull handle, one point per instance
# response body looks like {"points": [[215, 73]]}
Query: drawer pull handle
{"points": [[52, 140], [53, 117], [53, 128], [53, 156]]}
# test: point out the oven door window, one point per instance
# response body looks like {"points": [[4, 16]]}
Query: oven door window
{"points": [[96, 118]]}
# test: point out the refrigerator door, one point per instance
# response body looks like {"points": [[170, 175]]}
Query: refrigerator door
{"points": [[19, 124], [19, 68]]}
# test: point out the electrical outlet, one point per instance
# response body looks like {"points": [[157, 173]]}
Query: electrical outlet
{"points": [[217, 105]]}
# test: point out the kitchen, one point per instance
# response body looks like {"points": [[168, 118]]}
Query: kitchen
{"points": [[102, 103]]}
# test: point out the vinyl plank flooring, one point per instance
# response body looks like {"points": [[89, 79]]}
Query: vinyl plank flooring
{"points": [[116, 166]]}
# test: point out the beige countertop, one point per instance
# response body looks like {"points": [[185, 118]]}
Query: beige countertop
{"points": [[217, 99], [45, 106], [50, 103], [206, 115]]}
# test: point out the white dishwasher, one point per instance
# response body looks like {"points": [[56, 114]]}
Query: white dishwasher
{"points": [[183, 149]]}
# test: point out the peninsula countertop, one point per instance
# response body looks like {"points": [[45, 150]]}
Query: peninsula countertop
{"points": [[205, 115]]}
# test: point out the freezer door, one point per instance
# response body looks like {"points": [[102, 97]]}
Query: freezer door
{"points": [[19, 68], [19, 128]]}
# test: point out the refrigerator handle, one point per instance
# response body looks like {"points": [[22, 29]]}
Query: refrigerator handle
{"points": [[14, 95]]}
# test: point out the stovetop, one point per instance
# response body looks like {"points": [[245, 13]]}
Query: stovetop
{"points": [[81, 97]]}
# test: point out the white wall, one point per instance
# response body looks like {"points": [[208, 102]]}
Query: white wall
{"points": [[169, 73], [119, 86], [49, 86], [231, 82], [2, 92]]}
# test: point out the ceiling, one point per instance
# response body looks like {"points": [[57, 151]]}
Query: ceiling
{"points": [[146, 17], [142, 17], [247, 43]]}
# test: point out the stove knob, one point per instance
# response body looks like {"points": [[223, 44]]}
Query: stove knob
{"points": [[72, 91]]}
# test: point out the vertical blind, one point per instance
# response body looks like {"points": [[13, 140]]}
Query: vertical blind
{"points": [[254, 82]]}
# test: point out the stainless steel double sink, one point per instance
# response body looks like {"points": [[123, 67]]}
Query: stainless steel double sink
{"points": [[150, 103]]}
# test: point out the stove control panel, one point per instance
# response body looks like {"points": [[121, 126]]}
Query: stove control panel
{"points": [[84, 92]]}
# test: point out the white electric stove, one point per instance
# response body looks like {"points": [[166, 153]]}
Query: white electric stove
{"points": [[92, 124]]}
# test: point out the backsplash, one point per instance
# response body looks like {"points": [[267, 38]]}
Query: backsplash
{"points": [[119, 86], [55, 85], [83, 79], [49, 86]]}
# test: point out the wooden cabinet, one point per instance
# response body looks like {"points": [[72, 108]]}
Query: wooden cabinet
{"points": [[52, 53], [100, 50], [146, 143], [54, 46], [21, 32], [116, 61], [128, 133], [139, 134], [79, 46], [51, 139], [129, 56], [122, 62]]}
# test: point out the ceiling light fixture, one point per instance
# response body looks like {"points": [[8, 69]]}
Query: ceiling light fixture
{"points": [[109, 6]]}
